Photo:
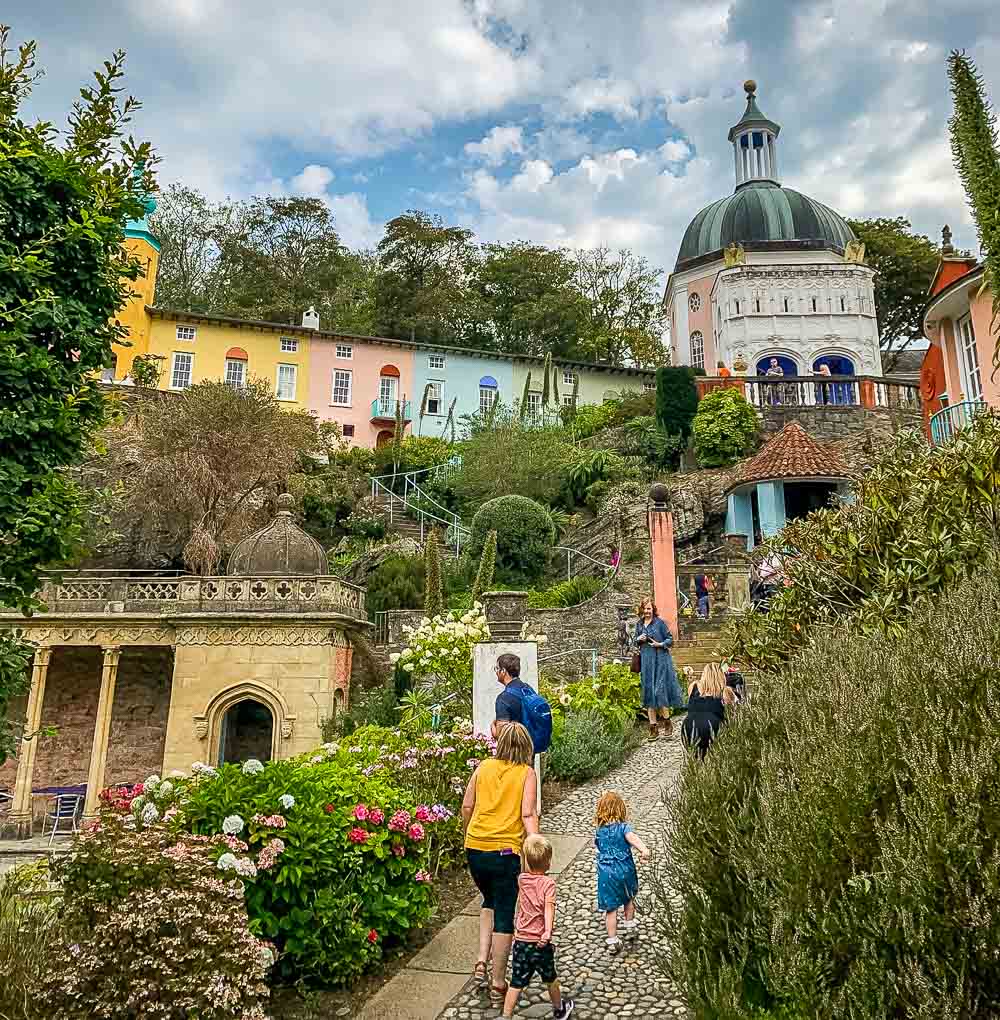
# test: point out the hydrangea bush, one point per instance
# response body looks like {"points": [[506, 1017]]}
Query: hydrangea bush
{"points": [[439, 651], [149, 927]]}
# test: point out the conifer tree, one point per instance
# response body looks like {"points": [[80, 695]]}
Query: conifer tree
{"points": [[523, 410], [546, 380], [487, 564], [974, 151], [433, 582]]}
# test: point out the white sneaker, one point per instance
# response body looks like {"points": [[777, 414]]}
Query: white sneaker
{"points": [[629, 929], [614, 945]]}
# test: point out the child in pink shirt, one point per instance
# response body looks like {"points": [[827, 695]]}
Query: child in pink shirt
{"points": [[536, 916]]}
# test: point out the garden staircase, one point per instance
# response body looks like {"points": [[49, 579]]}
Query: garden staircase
{"points": [[698, 644]]}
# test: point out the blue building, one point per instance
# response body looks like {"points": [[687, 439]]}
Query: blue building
{"points": [[472, 381]]}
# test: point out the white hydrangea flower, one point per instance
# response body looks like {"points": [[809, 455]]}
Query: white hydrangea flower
{"points": [[252, 767], [286, 800], [150, 814], [245, 867], [199, 768], [165, 788], [394, 657], [232, 825], [178, 774], [227, 862], [138, 803]]}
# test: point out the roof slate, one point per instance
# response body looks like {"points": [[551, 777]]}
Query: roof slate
{"points": [[792, 453]]}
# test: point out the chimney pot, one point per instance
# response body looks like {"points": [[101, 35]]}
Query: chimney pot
{"points": [[310, 319]]}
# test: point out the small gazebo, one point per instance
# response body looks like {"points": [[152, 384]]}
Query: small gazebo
{"points": [[790, 477]]}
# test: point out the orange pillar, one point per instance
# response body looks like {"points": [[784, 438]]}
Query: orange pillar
{"points": [[867, 393], [661, 542]]}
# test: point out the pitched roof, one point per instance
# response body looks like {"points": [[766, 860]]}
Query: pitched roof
{"points": [[791, 454]]}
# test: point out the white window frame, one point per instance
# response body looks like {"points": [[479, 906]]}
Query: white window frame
{"points": [[567, 399], [569, 377], [534, 408], [231, 363], [350, 387], [187, 333], [697, 354], [488, 396], [648, 385], [173, 369], [289, 345], [694, 301], [436, 363], [968, 359], [439, 383], [344, 351], [294, 370], [349, 435]]}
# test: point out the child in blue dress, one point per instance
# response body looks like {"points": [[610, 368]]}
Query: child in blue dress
{"points": [[617, 881]]}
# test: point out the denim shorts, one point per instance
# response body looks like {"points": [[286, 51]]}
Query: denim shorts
{"points": [[495, 874]]}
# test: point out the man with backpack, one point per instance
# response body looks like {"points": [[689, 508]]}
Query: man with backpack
{"points": [[519, 702]]}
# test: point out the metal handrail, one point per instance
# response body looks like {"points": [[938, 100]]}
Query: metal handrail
{"points": [[571, 552], [953, 418], [573, 651], [456, 530]]}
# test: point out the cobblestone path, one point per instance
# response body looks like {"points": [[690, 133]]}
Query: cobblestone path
{"points": [[605, 987]]}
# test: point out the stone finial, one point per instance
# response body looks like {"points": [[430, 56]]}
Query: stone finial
{"points": [[750, 87], [946, 246], [659, 494], [285, 503]]}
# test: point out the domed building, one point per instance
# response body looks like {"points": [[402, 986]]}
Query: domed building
{"points": [[768, 280]]}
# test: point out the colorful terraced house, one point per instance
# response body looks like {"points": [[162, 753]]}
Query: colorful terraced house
{"points": [[358, 381]]}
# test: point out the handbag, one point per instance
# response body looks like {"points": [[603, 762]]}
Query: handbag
{"points": [[636, 662]]}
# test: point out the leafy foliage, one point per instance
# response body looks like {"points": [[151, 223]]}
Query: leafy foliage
{"points": [[525, 536], [676, 399], [157, 901], [974, 152], [921, 518], [487, 566], [585, 745], [904, 263], [396, 583], [724, 429], [433, 581], [26, 930], [589, 419], [415, 454], [567, 593], [834, 855], [615, 694]]}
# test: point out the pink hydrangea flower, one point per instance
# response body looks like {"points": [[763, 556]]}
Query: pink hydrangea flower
{"points": [[269, 821], [399, 821], [375, 816], [357, 835], [416, 832], [422, 876], [361, 812], [399, 851], [422, 813], [373, 936]]}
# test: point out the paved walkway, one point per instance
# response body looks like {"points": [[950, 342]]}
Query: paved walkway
{"points": [[437, 986]]}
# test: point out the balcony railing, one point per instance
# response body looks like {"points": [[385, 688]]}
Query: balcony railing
{"points": [[832, 391], [385, 410], [97, 593], [949, 420]]}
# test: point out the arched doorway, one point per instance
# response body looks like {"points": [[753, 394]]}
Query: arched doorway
{"points": [[838, 392], [384, 437], [777, 366], [246, 731], [787, 366]]}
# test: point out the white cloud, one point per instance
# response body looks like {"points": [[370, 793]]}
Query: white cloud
{"points": [[313, 181], [499, 143]]}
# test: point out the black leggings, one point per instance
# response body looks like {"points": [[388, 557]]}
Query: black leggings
{"points": [[495, 875]]}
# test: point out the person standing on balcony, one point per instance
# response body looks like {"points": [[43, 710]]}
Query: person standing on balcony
{"points": [[660, 690], [774, 370]]}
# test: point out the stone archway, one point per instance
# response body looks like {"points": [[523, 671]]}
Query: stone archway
{"points": [[246, 730]]}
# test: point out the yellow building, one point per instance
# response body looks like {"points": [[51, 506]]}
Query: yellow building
{"points": [[141, 243]]}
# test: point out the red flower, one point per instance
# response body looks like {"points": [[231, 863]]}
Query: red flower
{"points": [[357, 835], [328, 809], [373, 936]]}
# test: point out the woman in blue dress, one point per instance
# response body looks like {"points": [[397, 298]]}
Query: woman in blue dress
{"points": [[660, 689], [617, 880]]}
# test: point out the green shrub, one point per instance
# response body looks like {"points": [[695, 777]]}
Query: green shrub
{"points": [[525, 536], [150, 926], [645, 439], [585, 746], [415, 454], [920, 518], [676, 399], [724, 429], [377, 707], [633, 404], [567, 593], [589, 419], [615, 694], [396, 583], [27, 923], [836, 853]]}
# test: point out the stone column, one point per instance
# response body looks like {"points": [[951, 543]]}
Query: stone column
{"points": [[21, 809], [102, 730], [661, 543]]}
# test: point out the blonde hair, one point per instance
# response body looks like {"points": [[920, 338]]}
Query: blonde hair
{"points": [[610, 808], [514, 744], [537, 852], [713, 681]]}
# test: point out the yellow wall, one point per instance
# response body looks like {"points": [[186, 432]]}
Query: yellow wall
{"points": [[211, 343], [133, 315]]}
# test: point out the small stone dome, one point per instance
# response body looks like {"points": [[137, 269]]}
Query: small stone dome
{"points": [[281, 548]]}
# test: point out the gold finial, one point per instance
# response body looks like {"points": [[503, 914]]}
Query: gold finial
{"points": [[750, 87]]}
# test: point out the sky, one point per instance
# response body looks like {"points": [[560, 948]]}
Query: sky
{"points": [[564, 122]]}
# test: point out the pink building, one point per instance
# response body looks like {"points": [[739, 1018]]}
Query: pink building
{"points": [[958, 377], [360, 382]]}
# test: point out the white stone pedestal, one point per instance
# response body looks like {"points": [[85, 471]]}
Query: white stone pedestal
{"points": [[486, 687]]}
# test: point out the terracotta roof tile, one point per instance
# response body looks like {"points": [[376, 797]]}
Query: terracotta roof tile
{"points": [[792, 453]]}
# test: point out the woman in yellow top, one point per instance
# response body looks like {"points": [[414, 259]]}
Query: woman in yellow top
{"points": [[498, 812]]}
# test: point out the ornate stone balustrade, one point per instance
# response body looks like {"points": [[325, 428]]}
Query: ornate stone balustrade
{"points": [[94, 593]]}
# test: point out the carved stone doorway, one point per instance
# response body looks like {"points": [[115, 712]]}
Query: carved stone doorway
{"points": [[247, 731]]}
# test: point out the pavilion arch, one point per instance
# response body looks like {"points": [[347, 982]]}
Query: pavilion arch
{"points": [[210, 723], [786, 359]]}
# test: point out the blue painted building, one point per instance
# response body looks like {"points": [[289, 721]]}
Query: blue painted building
{"points": [[791, 476], [473, 381]]}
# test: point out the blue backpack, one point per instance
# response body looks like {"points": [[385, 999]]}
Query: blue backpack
{"points": [[537, 716]]}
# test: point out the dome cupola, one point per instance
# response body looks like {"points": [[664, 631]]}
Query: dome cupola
{"points": [[755, 142], [281, 548]]}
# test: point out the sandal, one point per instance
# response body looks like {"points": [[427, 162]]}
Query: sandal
{"points": [[481, 973], [497, 994]]}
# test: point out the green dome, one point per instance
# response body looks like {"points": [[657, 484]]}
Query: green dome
{"points": [[763, 215]]}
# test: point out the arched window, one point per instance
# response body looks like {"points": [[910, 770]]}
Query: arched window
{"points": [[694, 302], [785, 303], [388, 386], [488, 393], [814, 304], [697, 349], [247, 732], [843, 304]]}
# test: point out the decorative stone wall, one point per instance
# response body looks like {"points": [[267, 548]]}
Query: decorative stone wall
{"points": [[830, 424], [138, 717]]}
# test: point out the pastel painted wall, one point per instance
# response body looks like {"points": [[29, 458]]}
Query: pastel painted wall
{"points": [[459, 376], [596, 385], [699, 319], [133, 314], [364, 361], [987, 337], [211, 343], [739, 515]]}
